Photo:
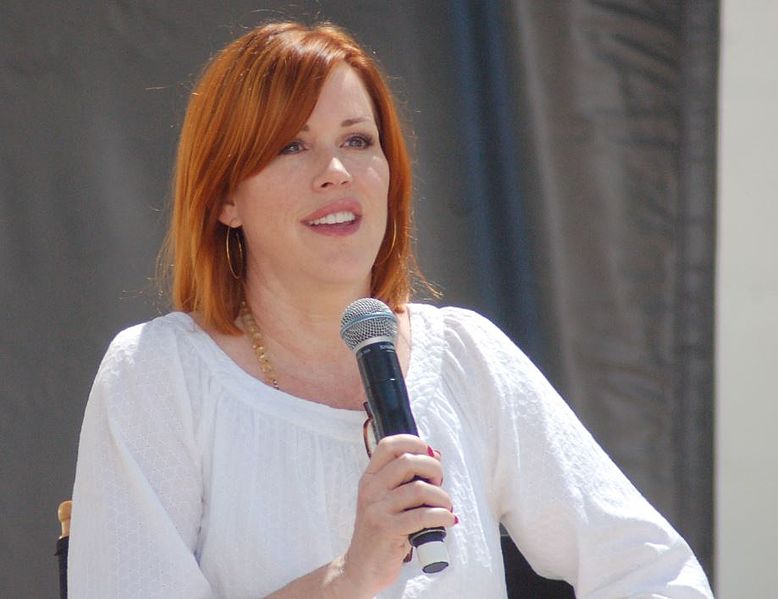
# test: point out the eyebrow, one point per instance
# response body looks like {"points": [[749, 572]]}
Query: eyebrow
{"points": [[347, 122]]}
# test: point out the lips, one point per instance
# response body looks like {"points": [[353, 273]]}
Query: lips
{"points": [[338, 217]]}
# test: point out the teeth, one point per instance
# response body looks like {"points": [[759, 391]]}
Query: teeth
{"points": [[335, 218]]}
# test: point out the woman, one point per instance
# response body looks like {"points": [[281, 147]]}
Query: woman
{"points": [[222, 454]]}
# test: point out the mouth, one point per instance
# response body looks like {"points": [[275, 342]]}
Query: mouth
{"points": [[334, 218], [339, 218]]}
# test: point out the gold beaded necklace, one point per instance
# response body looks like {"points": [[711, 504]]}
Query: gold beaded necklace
{"points": [[256, 344]]}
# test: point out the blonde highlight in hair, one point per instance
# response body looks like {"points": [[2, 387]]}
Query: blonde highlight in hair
{"points": [[252, 98]]}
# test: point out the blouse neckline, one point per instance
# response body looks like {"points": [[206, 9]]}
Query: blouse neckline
{"points": [[283, 404]]}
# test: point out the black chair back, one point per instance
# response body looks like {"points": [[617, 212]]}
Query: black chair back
{"points": [[63, 513], [524, 583]]}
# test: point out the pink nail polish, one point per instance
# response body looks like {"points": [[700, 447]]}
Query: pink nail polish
{"points": [[430, 451]]}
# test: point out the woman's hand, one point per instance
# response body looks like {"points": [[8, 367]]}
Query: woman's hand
{"points": [[399, 494]]}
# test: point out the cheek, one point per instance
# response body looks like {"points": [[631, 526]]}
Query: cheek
{"points": [[379, 175], [263, 195]]}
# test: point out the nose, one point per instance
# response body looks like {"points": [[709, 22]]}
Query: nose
{"points": [[333, 173]]}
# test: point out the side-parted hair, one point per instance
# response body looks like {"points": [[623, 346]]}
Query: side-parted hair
{"points": [[252, 98]]}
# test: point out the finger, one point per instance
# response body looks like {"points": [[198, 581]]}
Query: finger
{"points": [[417, 519], [408, 466], [395, 518], [394, 446], [403, 469], [415, 494]]}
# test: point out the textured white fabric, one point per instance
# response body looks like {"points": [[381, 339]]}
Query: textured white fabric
{"points": [[195, 480]]}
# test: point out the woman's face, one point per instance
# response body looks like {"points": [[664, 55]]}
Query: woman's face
{"points": [[316, 215]]}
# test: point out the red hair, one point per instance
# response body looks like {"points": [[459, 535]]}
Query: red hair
{"points": [[252, 98]]}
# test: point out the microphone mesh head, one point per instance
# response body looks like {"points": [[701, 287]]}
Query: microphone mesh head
{"points": [[367, 318]]}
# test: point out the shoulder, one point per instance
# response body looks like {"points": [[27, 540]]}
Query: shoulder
{"points": [[460, 330], [163, 329], [446, 317], [157, 341], [141, 397], [471, 352], [150, 371]]}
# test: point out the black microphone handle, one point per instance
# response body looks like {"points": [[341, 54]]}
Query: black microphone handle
{"points": [[390, 407], [385, 389]]}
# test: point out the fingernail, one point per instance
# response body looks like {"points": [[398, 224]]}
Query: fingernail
{"points": [[437, 453], [456, 519], [430, 451]]}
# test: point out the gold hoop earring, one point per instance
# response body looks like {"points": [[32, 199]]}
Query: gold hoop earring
{"points": [[391, 247], [235, 275]]}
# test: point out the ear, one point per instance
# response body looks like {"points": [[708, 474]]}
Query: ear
{"points": [[228, 215]]}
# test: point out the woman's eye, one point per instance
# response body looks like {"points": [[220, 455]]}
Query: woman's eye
{"points": [[292, 148], [359, 141]]}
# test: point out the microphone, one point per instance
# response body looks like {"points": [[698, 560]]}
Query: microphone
{"points": [[369, 328]]}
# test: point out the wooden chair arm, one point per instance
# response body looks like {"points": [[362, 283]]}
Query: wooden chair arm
{"points": [[63, 513]]}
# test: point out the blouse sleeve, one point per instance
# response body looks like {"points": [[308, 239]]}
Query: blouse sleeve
{"points": [[566, 505], [137, 499]]}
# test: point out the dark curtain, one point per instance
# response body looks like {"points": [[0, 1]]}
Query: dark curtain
{"points": [[618, 145], [564, 185], [591, 178]]}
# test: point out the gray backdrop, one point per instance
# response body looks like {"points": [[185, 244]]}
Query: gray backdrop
{"points": [[564, 181]]}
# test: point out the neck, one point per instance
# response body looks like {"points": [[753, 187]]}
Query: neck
{"points": [[302, 322], [301, 340], [301, 337]]}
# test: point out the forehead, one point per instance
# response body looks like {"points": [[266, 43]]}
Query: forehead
{"points": [[344, 95]]}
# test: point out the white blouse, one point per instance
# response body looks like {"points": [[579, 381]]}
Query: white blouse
{"points": [[196, 480]]}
